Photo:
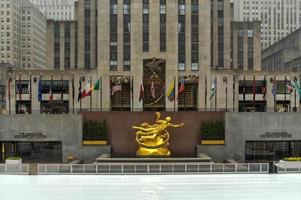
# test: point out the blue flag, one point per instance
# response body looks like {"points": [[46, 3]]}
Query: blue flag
{"points": [[40, 91], [274, 91]]}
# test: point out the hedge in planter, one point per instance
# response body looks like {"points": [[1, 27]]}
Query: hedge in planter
{"points": [[212, 130], [94, 131]]}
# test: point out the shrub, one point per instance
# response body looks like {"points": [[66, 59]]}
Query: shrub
{"points": [[95, 130], [296, 159], [212, 130]]}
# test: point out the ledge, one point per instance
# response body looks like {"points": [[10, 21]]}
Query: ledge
{"points": [[213, 142], [95, 142]]}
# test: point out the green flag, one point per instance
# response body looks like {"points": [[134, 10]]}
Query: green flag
{"points": [[96, 85]]}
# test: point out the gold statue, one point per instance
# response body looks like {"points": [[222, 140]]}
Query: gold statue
{"points": [[153, 139]]}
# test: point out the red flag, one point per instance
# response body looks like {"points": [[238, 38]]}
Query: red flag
{"points": [[141, 94], [116, 88], [182, 86], [254, 88], [50, 98]]}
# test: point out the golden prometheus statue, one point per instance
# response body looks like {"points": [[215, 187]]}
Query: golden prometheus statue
{"points": [[153, 140]]}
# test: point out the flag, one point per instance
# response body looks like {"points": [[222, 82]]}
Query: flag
{"points": [[296, 86], [116, 88], [141, 94], [40, 90], [88, 90], [213, 89], [80, 89], [96, 85], [254, 89], [264, 89], [50, 98], [153, 91], [289, 87], [274, 91], [182, 86], [171, 92]]}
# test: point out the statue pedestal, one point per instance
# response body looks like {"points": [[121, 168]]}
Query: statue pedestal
{"points": [[158, 152]]}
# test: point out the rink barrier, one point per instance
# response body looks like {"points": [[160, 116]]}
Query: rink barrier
{"points": [[154, 168], [287, 167], [17, 169]]}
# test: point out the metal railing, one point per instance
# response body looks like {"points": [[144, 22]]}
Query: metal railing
{"points": [[287, 167], [154, 168], [17, 169]]}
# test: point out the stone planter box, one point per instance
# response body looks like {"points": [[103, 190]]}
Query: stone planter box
{"points": [[95, 142], [13, 161], [213, 142]]}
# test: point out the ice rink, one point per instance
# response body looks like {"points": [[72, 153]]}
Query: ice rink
{"points": [[151, 187]]}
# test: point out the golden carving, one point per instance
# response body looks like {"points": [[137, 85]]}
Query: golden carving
{"points": [[153, 140]]}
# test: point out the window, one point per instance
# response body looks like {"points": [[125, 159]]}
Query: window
{"points": [[194, 34], [127, 35], [113, 35], [181, 35], [145, 16], [162, 25]]}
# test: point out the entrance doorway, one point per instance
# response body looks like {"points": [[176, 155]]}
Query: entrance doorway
{"points": [[271, 150], [32, 152]]}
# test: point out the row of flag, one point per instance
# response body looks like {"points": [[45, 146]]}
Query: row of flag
{"points": [[171, 94]]}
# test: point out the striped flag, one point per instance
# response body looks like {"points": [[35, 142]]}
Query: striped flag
{"points": [[213, 89], [274, 88], [141, 94], [116, 88], [153, 91]]}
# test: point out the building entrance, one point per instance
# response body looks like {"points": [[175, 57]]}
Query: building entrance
{"points": [[39, 152], [271, 150]]}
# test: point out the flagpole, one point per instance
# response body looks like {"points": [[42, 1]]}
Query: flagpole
{"points": [[275, 94], [91, 94], [100, 88], [244, 93], [233, 93], [41, 92], [9, 100], [206, 93], [174, 101], [285, 85], [62, 86], [73, 93], [80, 99], [193, 93], [51, 90], [254, 91], [30, 95], [20, 92], [226, 91], [215, 102], [132, 93]]}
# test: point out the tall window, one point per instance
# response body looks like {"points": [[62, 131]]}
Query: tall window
{"points": [[220, 47], [87, 33], [127, 35], [162, 25], [240, 49], [67, 45], [113, 35], [181, 35], [56, 35], [194, 34], [145, 16], [250, 49]]}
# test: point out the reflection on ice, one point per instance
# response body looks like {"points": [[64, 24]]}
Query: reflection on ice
{"points": [[152, 187]]}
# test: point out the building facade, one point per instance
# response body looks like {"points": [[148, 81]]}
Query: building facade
{"points": [[246, 46], [61, 46], [278, 17], [284, 54], [61, 10], [23, 35]]}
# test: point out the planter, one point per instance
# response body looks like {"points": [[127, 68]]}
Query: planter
{"points": [[13, 161], [95, 142], [213, 142]]}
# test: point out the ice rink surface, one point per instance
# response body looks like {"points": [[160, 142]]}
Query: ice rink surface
{"points": [[151, 187]]}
